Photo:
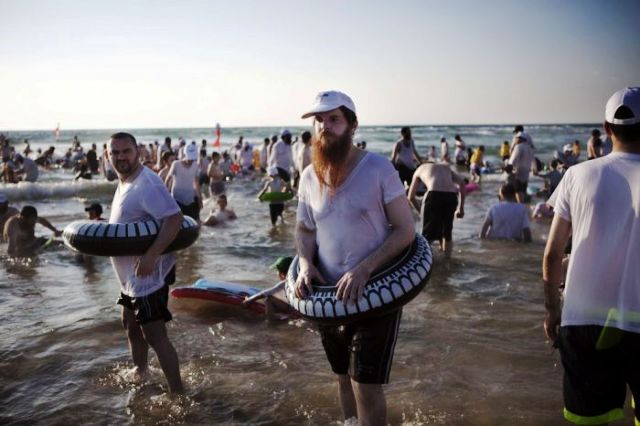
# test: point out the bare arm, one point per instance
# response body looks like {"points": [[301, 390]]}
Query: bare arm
{"points": [[350, 287], [394, 154], [415, 152], [462, 190], [485, 228], [263, 190], [306, 248], [10, 235], [166, 235], [413, 189], [266, 292], [44, 222], [552, 274]]}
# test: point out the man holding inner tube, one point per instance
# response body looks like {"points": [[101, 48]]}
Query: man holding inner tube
{"points": [[353, 217], [141, 195]]}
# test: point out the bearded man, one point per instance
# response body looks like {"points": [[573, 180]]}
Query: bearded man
{"points": [[144, 292], [353, 217]]}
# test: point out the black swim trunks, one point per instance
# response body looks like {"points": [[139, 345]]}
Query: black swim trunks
{"points": [[151, 307], [192, 210], [438, 209], [406, 173], [598, 364], [521, 186], [362, 349], [275, 211]]}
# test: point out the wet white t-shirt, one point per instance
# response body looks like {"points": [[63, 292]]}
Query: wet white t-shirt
{"points": [[145, 198], [521, 159], [406, 154], [352, 223], [601, 199], [507, 220], [182, 187], [281, 156]]}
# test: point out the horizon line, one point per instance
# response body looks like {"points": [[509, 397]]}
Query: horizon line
{"points": [[3, 130]]}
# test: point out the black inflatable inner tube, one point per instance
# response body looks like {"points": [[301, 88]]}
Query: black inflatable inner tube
{"points": [[388, 289], [124, 239]]}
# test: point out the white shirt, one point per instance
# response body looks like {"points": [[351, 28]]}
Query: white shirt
{"points": [[143, 199], [352, 223], [507, 220], [405, 154], [263, 156], [601, 199], [246, 158], [281, 156], [182, 187], [30, 169], [521, 159], [303, 157]]}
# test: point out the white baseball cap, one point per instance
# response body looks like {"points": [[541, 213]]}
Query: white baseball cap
{"points": [[272, 171], [567, 147], [628, 97], [191, 152], [330, 100]]}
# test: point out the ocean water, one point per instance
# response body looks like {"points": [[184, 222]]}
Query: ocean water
{"points": [[471, 349]]}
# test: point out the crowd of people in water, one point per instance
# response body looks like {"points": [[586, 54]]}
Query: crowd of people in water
{"points": [[336, 180], [194, 171]]}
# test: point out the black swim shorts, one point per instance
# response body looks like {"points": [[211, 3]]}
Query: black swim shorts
{"points": [[275, 211], [521, 186], [149, 308], [192, 210], [438, 209], [362, 349], [284, 175], [598, 364], [406, 173]]}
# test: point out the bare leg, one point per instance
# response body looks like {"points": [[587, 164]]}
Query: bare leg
{"points": [[137, 345], [520, 197], [347, 399], [447, 247], [371, 403], [155, 333]]}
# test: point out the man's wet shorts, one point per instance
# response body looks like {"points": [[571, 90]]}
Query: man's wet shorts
{"points": [[363, 349], [438, 209], [599, 362], [151, 307]]}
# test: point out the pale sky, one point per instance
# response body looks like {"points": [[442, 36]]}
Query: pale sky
{"points": [[144, 63]]}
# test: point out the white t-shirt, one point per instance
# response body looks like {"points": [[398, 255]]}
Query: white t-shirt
{"points": [[521, 159], [143, 199], [30, 169], [263, 156], [281, 156], [246, 158], [182, 184], [352, 223], [203, 165], [507, 220], [601, 199], [303, 157], [405, 154]]}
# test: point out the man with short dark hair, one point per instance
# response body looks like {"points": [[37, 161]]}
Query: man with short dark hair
{"points": [[144, 280], [353, 217], [405, 156], [521, 159], [19, 232], [597, 329]]}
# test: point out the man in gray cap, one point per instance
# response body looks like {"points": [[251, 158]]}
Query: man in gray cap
{"points": [[353, 217], [597, 327]]}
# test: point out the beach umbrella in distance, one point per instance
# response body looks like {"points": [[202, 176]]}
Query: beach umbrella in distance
{"points": [[217, 141]]}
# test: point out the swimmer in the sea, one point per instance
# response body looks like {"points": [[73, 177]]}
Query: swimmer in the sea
{"points": [[19, 232], [222, 214]]}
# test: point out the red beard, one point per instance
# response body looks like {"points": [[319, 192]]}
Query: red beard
{"points": [[329, 154]]}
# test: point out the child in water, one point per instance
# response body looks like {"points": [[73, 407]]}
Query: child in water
{"points": [[275, 184], [275, 303], [222, 214]]}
